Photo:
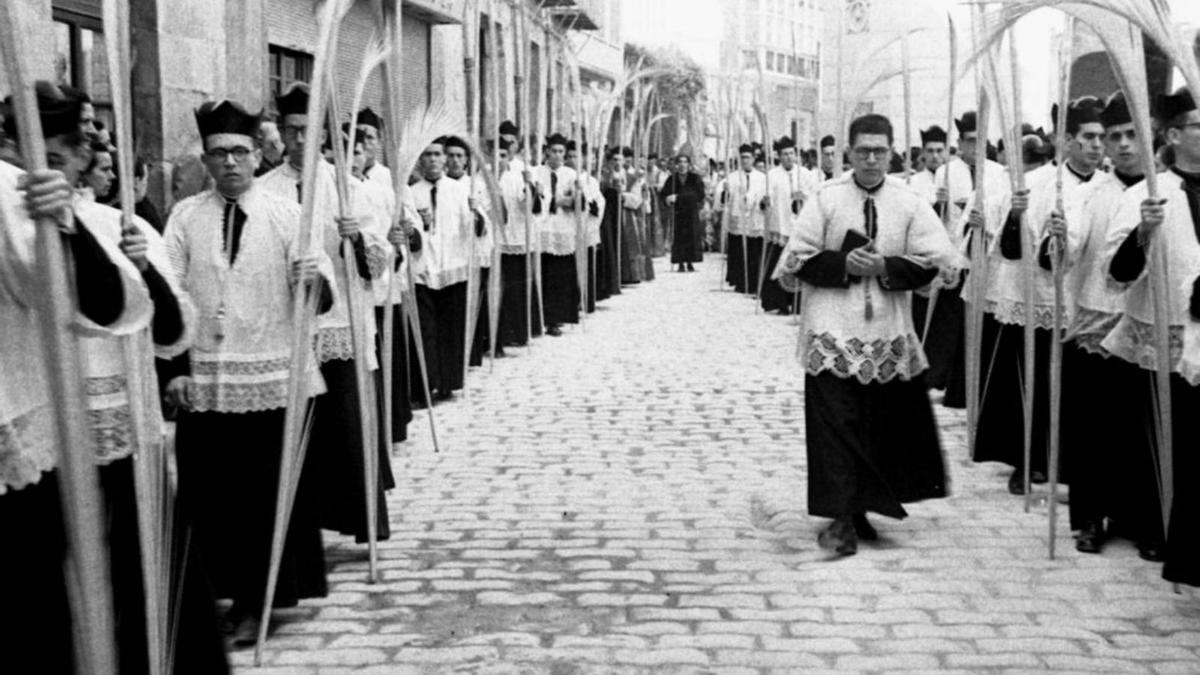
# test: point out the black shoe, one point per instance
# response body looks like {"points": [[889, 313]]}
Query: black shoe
{"points": [[1090, 538], [1016, 482], [690, 268], [1152, 551], [864, 529], [839, 537], [440, 396], [680, 268], [553, 331], [246, 633]]}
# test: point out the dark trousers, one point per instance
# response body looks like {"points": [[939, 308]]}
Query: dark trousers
{"points": [[443, 315], [561, 289], [36, 621], [336, 447], [1001, 433], [401, 387], [515, 313], [871, 447], [774, 297], [1108, 454], [1183, 539], [228, 480]]}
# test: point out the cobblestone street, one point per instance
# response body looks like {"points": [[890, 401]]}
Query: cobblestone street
{"points": [[630, 498]]}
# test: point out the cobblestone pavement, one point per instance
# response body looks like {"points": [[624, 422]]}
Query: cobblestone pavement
{"points": [[630, 498]]}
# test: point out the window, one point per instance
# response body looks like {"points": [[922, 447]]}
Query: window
{"points": [[286, 67], [79, 59]]}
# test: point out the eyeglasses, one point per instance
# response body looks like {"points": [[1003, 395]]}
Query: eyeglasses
{"points": [[867, 153], [239, 153], [292, 131]]}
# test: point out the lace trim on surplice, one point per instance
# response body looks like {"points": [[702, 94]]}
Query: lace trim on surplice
{"points": [[1013, 312], [334, 344], [879, 360], [1133, 341], [1089, 329], [26, 450]]}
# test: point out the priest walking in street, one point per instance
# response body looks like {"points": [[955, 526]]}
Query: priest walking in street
{"points": [[861, 246]]}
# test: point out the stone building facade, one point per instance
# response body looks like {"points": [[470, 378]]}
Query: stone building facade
{"points": [[189, 51]]}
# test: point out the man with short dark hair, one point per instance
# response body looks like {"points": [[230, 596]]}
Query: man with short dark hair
{"points": [[460, 168], [788, 187], [1172, 222], [745, 196], [336, 444], [237, 250], [1001, 431], [371, 127], [520, 192], [830, 162], [448, 227], [109, 298], [933, 155], [559, 236], [1111, 464], [861, 245]]}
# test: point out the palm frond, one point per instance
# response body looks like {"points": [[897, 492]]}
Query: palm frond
{"points": [[1151, 17], [435, 120], [374, 55]]}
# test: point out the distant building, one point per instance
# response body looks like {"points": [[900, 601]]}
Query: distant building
{"points": [[858, 32], [771, 49]]}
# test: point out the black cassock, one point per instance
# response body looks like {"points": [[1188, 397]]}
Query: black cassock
{"points": [[689, 193], [871, 447], [607, 283]]}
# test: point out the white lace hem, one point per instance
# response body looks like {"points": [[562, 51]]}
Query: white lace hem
{"points": [[112, 433], [558, 243], [335, 344], [1013, 312], [26, 451], [1133, 341], [237, 386], [1089, 329], [880, 360]]}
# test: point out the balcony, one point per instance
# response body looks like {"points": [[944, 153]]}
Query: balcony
{"points": [[576, 14]]}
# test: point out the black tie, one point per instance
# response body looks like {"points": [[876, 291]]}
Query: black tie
{"points": [[432, 205], [870, 217], [232, 222], [871, 226], [299, 192], [553, 192]]}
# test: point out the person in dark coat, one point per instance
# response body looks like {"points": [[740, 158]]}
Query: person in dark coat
{"points": [[684, 195]]}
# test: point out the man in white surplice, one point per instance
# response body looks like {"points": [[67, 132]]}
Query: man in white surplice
{"points": [[859, 248]]}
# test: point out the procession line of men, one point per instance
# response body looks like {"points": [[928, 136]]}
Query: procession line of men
{"points": [[864, 252], [212, 297]]}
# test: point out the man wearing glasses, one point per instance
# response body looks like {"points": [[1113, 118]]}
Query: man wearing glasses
{"points": [[238, 251], [860, 246]]}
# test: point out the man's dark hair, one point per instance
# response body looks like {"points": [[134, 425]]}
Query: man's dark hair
{"points": [[448, 142], [871, 124]]}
